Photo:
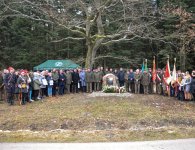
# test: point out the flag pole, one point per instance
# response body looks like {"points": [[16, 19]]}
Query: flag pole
{"points": [[154, 75], [168, 86]]}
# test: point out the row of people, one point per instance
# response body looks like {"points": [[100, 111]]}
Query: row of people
{"points": [[29, 86]]}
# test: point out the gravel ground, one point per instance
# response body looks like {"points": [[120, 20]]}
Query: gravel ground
{"points": [[102, 94]]}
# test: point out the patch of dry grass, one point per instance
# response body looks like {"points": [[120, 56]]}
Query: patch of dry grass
{"points": [[85, 119]]}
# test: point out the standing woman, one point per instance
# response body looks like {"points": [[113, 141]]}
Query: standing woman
{"points": [[187, 86], [50, 84], [22, 84], [30, 76], [44, 83], [36, 85]]}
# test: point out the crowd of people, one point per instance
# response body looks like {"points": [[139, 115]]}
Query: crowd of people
{"points": [[28, 86]]}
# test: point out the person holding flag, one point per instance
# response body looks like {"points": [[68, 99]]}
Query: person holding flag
{"points": [[154, 75], [141, 72], [174, 82], [145, 79], [167, 78]]}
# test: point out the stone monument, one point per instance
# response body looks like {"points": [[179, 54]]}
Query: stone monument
{"points": [[110, 80]]}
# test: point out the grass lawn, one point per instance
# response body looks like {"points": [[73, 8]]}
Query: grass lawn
{"points": [[81, 118]]}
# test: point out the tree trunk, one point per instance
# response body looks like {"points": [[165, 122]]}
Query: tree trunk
{"points": [[93, 46], [88, 62]]}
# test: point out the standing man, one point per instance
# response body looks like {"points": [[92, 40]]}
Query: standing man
{"points": [[131, 80], [159, 82], [150, 90], [101, 72], [121, 77], [192, 85], [97, 80], [127, 86], [68, 80], [145, 79], [55, 77], [10, 81], [137, 78], [89, 80], [75, 81], [1, 86], [115, 72], [62, 82]]}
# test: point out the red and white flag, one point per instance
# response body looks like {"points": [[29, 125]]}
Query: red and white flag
{"points": [[154, 71], [174, 74], [154, 76], [167, 74]]}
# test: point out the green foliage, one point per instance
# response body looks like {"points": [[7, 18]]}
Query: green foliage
{"points": [[25, 43]]}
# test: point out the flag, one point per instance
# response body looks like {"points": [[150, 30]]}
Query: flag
{"points": [[159, 79], [174, 74], [154, 71], [146, 67], [167, 74], [154, 75], [143, 67]]}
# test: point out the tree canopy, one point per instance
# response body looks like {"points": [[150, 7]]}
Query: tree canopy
{"points": [[108, 33]]}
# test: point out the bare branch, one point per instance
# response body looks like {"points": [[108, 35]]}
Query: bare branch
{"points": [[67, 38]]}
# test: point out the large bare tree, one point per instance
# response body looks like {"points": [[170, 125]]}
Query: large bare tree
{"points": [[97, 22]]}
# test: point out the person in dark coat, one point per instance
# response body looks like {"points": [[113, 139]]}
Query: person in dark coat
{"points": [[1, 86], [10, 81], [115, 72], [131, 79], [75, 81], [150, 87], [55, 77], [121, 77], [62, 82], [17, 92], [50, 84], [192, 85]]}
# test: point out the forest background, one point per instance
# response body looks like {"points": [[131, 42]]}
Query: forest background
{"points": [[109, 33]]}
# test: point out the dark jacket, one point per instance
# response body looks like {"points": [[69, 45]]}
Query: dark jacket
{"points": [[192, 85], [121, 76], [10, 82], [131, 77], [49, 80], [62, 80], [75, 77]]}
